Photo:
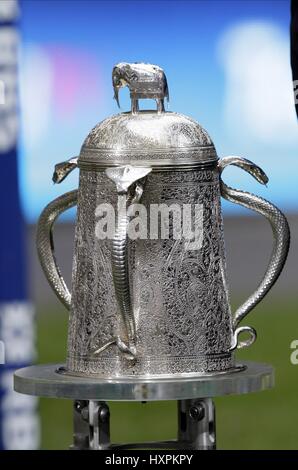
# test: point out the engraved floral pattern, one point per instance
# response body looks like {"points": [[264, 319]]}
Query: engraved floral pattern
{"points": [[180, 300]]}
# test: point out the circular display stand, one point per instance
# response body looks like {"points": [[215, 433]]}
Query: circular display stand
{"points": [[46, 381], [196, 413]]}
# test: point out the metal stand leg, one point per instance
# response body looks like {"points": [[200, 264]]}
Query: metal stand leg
{"points": [[99, 425], [196, 427], [91, 425], [196, 424], [80, 425]]}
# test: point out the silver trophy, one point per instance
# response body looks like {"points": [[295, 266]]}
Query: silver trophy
{"points": [[150, 317], [154, 305]]}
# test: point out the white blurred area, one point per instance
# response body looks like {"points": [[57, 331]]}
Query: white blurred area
{"points": [[9, 9], [259, 100], [36, 86]]}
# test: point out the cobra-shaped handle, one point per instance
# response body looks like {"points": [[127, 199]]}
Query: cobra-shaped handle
{"points": [[281, 237], [44, 237], [45, 244]]}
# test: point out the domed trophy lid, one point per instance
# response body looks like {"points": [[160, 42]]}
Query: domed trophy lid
{"points": [[155, 138]]}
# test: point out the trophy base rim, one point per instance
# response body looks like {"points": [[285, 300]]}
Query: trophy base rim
{"points": [[179, 375], [44, 380]]}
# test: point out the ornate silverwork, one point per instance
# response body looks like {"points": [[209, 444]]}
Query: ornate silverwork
{"points": [[152, 307]]}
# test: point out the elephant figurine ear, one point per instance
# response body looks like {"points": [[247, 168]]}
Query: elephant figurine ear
{"points": [[125, 176]]}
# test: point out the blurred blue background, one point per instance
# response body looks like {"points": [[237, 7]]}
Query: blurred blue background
{"points": [[227, 64]]}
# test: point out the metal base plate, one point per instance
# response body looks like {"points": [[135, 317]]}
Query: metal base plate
{"points": [[44, 380]]}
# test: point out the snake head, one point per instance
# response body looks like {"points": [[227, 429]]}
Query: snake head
{"points": [[246, 165], [63, 169], [257, 172]]}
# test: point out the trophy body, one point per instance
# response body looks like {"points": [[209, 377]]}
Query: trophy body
{"points": [[178, 291], [152, 301]]}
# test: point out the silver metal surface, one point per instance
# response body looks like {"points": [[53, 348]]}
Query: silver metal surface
{"points": [[63, 169], [277, 220], [155, 300], [158, 137], [45, 244], [45, 381], [99, 425], [143, 80], [147, 138], [124, 178], [166, 278], [196, 427], [81, 430], [91, 425], [196, 424], [157, 165]]}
